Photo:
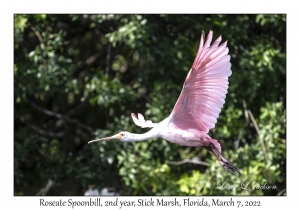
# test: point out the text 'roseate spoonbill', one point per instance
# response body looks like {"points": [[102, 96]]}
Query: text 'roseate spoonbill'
{"points": [[198, 106]]}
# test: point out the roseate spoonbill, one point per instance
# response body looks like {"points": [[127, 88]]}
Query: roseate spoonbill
{"points": [[198, 106]]}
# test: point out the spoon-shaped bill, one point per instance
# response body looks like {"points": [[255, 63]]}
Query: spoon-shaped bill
{"points": [[114, 137]]}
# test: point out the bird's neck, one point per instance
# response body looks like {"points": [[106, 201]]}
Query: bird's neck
{"points": [[134, 137]]}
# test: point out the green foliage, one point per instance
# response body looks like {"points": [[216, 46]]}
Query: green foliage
{"points": [[78, 77]]}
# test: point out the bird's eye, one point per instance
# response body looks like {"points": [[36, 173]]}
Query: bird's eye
{"points": [[122, 134]]}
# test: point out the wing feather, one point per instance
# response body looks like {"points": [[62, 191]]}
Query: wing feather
{"points": [[204, 91]]}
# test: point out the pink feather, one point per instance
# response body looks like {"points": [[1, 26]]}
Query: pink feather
{"points": [[204, 91]]}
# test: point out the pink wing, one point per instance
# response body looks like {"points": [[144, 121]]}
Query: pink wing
{"points": [[204, 90]]}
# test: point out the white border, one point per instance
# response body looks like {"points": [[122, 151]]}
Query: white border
{"points": [[156, 6]]}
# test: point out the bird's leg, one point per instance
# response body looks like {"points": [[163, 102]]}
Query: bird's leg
{"points": [[226, 164]]}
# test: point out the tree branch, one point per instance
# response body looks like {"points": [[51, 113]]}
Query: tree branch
{"points": [[44, 190], [281, 192], [59, 116], [41, 131], [188, 161], [263, 147], [260, 139], [38, 35]]}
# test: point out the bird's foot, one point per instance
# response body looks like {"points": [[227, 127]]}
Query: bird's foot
{"points": [[228, 166]]}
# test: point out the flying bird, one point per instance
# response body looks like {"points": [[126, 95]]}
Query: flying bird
{"points": [[198, 106]]}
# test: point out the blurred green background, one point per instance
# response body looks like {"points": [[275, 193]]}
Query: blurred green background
{"points": [[78, 77]]}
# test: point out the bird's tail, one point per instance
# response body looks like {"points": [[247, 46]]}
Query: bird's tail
{"points": [[215, 149]]}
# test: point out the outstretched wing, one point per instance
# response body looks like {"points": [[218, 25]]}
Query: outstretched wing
{"points": [[204, 91], [140, 121]]}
